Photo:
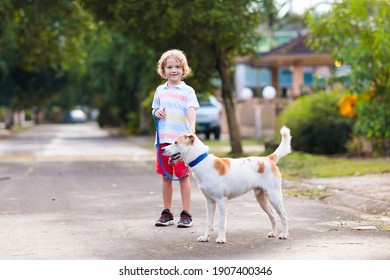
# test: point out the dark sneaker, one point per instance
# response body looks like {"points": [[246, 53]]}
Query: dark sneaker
{"points": [[166, 218], [185, 219]]}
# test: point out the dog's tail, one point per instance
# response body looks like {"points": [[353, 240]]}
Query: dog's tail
{"points": [[284, 147]]}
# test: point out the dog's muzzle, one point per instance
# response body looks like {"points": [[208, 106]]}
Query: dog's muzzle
{"points": [[174, 158]]}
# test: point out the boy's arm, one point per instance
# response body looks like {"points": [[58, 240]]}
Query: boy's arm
{"points": [[191, 116], [159, 113]]}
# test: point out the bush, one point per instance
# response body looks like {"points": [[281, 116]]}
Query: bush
{"points": [[316, 124], [109, 116], [373, 123], [373, 119]]}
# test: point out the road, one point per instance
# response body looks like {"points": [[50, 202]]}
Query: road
{"points": [[74, 192], [72, 142]]}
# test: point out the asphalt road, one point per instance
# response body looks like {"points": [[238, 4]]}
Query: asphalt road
{"points": [[74, 206]]}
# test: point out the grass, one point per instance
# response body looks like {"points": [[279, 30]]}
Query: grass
{"points": [[306, 192], [301, 165]]}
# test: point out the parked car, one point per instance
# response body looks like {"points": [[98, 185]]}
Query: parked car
{"points": [[208, 116], [75, 116]]}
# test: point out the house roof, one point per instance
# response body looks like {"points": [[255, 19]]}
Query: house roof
{"points": [[294, 47], [294, 52]]}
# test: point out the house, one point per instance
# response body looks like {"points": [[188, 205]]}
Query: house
{"points": [[290, 68]]}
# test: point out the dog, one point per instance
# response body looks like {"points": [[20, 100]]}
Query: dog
{"points": [[221, 179]]}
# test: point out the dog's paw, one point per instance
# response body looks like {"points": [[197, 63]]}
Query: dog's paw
{"points": [[221, 240], [283, 236], [203, 238], [272, 234]]}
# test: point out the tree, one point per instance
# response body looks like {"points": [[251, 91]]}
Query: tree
{"points": [[39, 41], [358, 34], [226, 31], [211, 32], [118, 79]]}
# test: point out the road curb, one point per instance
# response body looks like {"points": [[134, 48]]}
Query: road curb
{"points": [[364, 204], [369, 193], [342, 197]]}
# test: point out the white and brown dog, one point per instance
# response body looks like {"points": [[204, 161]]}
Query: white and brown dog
{"points": [[221, 179]]}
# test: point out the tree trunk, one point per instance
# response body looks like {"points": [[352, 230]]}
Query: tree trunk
{"points": [[223, 67], [8, 117], [144, 121], [37, 117]]}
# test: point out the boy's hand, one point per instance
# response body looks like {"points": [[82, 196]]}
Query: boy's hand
{"points": [[160, 113]]}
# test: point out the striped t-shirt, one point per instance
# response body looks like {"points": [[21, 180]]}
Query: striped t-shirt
{"points": [[176, 101]]}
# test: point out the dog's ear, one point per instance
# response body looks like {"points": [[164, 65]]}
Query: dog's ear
{"points": [[192, 138]]}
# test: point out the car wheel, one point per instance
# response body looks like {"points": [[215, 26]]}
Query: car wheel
{"points": [[217, 133]]}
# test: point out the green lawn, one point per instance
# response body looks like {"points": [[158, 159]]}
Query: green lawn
{"points": [[302, 165]]}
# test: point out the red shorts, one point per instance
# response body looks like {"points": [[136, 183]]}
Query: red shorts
{"points": [[178, 167]]}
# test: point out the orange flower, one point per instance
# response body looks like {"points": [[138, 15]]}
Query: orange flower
{"points": [[346, 106]]}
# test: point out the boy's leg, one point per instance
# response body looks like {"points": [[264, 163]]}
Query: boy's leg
{"points": [[166, 182], [185, 216], [166, 217], [185, 190], [167, 192], [181, 170]]}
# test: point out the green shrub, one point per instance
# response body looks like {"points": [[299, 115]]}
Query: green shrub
{"points": [[132, 122], [373, 123], [316, 124], [373, 119], [54, 114], [109, 116]]}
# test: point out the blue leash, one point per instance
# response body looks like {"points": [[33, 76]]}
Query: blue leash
{"points": [[158, 151]]}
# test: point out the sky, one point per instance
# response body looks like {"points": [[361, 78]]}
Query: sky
{"points": [[299, 6]]}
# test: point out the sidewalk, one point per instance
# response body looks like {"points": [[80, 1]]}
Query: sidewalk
{"points": [[4, 133]]}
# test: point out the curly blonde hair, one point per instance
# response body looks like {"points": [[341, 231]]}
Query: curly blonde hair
{"points": [[179, 56]]}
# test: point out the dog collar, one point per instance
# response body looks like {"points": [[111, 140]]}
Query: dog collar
{"points": [[198, 159]]}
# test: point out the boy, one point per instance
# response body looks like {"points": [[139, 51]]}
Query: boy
{"points": [[174, 104]]}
